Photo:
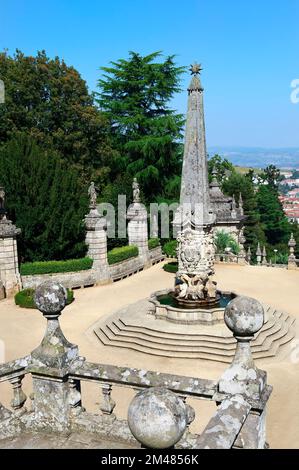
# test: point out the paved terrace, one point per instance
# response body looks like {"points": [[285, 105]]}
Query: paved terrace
{"points": [[21, 331]]}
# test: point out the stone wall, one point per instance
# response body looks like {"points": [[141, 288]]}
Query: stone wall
{"points": [[69, 280], [89, 277]]}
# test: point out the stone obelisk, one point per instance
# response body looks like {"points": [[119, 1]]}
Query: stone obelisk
{"points": [[193, 220]]}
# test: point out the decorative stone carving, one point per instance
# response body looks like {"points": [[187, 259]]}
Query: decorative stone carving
{"points": [[292, 264], [244, 316], [92, 193], [258, 254], [50, 362], [158, 418], [136, 191]]}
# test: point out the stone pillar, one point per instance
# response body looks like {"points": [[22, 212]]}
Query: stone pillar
{"points": [[50, 364], [234, 208], [9, 264], [241, 209], [292, 258], [244, 316], [137, 225], [96, 240], [242, 254]]}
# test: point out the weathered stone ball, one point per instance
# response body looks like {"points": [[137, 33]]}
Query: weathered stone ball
{"points": [[50, 297], [157, 418], [244, 316]]}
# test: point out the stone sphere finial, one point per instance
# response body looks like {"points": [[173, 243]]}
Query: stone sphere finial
{"points": [[244, 316], [157, 418], [50, 298]]}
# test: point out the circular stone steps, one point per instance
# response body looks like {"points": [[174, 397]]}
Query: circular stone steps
{"points": [[133, 328]]}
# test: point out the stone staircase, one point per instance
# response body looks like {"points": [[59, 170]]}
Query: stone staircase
{"points": [[216, 345]]}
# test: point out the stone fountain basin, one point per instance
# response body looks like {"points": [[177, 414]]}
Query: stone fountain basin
{"points": [[179, 314]]}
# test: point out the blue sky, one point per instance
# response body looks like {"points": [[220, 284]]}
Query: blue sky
{"points": [[249, 51]]}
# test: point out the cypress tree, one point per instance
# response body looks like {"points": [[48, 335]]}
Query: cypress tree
{"points": [[45, 198]]}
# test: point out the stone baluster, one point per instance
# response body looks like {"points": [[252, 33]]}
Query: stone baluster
{"points": [[107, 403], [51, 362], [244, 316], [75, 397], [258, 254], [19, 397], [292, 258]]}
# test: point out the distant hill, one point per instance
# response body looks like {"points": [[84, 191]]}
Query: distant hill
{"points": [[257, 157]]}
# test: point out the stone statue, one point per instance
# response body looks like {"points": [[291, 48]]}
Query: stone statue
{"points": [[92, 193], [136, 190], [2, 197], [2, 203], [196, 287]]}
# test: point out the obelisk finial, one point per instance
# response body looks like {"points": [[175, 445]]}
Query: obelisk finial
{"points": [[195, 68], [195, 84]]}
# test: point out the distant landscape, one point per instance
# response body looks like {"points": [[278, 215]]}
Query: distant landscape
{"points": [[258, 157]]}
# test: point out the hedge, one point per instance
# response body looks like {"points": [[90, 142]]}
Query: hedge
{"points": [[153, 243], [24, 298], [171, 267], [122, 253], [169, 248], [51, 267]]}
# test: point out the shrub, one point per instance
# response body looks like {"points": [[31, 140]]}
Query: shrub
{"points": [[122, 253], [51, 267], [171, 267], [24, 298], [169, 248], [225, 240], [153, 243]]}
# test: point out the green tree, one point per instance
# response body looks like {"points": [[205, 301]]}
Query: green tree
{"points": [[225, 240], [275, 224], [271, 175], [235, 185], [45, 198], [134, 95], [221, 166], [50, 101]]}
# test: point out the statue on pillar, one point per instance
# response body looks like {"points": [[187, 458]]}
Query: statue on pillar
{"points": [[93, 194], [2, 203], [136, 191]]}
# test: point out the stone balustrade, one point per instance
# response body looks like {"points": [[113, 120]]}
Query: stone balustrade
{"points": [[230, 258], [161, 400]]}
